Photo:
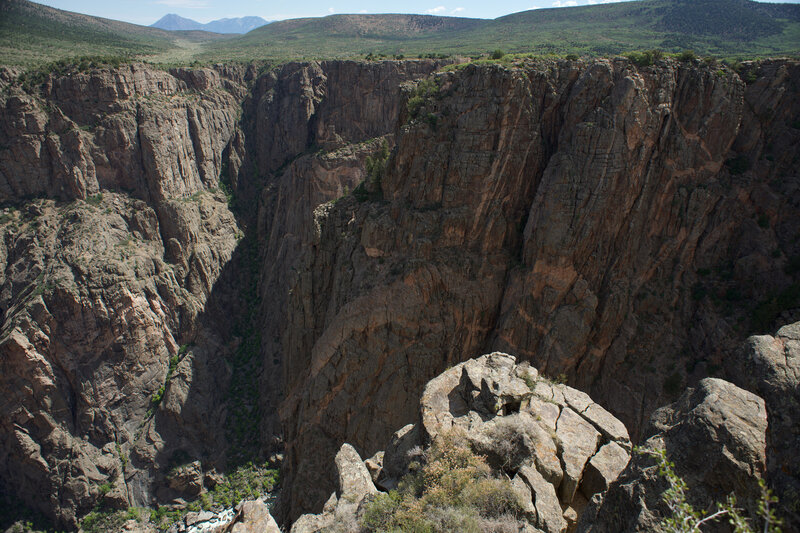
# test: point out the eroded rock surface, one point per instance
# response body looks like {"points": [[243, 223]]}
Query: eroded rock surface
{"points": [[127, 291], [715, 434], [105, 277], [504, 411], [770, 367], [602, 221]]}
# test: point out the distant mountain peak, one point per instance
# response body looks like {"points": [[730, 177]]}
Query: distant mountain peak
{"points": [[173, 22]]}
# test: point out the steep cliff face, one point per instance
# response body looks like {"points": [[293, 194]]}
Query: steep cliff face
{"points": [[105, 276], [174, 267], [133, 332], [613, 224], [311, 127]]}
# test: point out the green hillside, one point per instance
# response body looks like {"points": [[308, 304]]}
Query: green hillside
{"points": [[32, 34], [716, 27], [719, 27], [344, 36]]}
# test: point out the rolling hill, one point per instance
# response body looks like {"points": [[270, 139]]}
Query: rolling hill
{"points": [[719, 27], [33, 34]]}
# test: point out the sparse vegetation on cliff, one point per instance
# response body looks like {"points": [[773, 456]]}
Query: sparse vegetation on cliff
{"points": [[375, 165], [685, 518], [449, 489]]}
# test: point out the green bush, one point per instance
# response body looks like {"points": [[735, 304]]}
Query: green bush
{"points": [[646, 58], [640, 59], [497, 54], [687, 55], [571, 57], [672, 384], [765, 313], [375, 165], [424, 90], [107, 521]]}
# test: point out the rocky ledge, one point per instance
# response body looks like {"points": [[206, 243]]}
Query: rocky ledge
{"points": [[568, 460]]}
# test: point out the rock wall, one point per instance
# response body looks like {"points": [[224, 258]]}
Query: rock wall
{"points": [[619, 227], [311, 127], [114, 236], [127, 289], [612, 224]]}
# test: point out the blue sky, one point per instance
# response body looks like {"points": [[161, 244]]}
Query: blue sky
{"points": [[148, 11]]}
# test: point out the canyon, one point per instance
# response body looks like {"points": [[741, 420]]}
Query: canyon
{"points": [[209, 266]]}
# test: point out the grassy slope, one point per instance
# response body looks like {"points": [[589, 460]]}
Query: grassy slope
{"points": [[720, 27], [341, 36], [32, 34]]}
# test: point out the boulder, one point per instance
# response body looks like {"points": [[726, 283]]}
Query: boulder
{"points": [[187, 479], [770, 367], [252, 517], [355, 481], [715, 434], [548, 508], [534, 432], [603, 469], [579, 442]]}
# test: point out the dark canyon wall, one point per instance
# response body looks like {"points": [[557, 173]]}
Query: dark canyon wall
{"points": [[620, 227], [178, 285]]}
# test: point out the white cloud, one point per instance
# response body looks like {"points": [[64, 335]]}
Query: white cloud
{"points": [[186, 4], [363, 11], [436, 10], [566, 3], [331, 10], [457, 10]]}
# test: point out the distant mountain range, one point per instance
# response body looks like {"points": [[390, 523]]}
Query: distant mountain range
{"points": [[173, 22]]}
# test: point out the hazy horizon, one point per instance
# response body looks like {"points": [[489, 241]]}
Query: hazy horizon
{"points": [[149, 11]]}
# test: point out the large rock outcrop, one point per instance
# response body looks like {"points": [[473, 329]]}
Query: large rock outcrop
{"points": [[602, 221], [715, 434], [770, 367], [557, 446]]}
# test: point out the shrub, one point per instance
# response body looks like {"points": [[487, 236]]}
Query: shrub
{"points": [[371, 187], [641, 59], [452, 489], [646, 58], [95, 200], [571, 57], [424, 90], [672, 384], [687, 55], [100, 521], [497, 54], [765, 313], [492, 498]]}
